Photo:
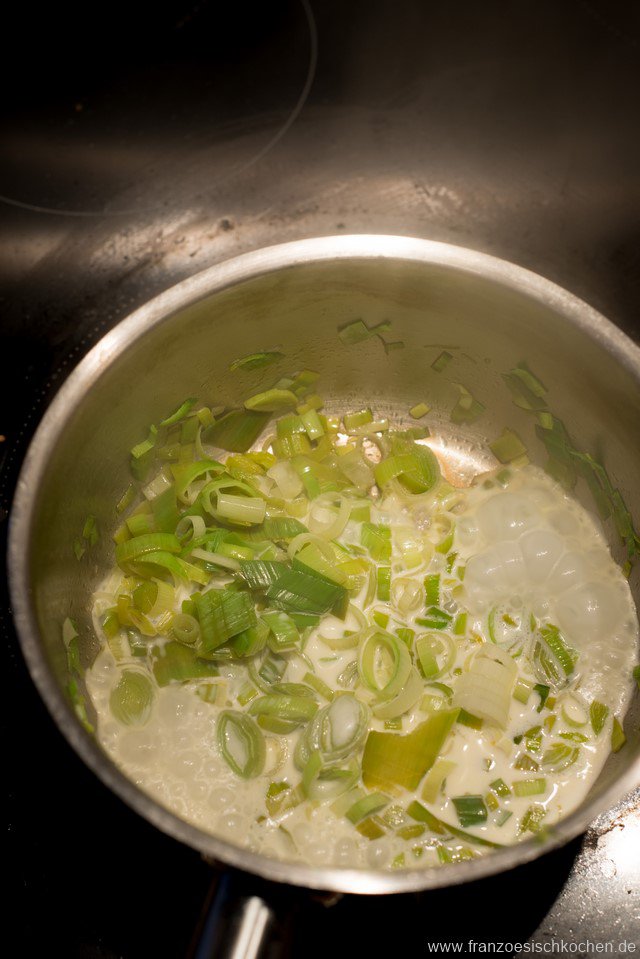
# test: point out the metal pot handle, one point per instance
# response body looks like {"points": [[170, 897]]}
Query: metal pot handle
{"points": [[235, 923]]}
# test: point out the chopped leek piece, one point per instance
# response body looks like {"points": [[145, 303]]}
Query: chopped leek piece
{"points": [[471, 810], [293, 709], [377, 540], [284, 633], [503, 816], [311, 560], [246, 694], [533, 738], [574, 737], [126, 499], [348, 675], [260, 574], [185, 628], [485, 689], [406, 635], [271, 401], [371, 828], [179, 413], [280, 528], [281, 797], [598, 713], [527, 390], [111, 623], [90, 530], [414, 466], [411, 832], [322, 782], [336, 732], [419, 410], [367, 806], [532, 819], [529, 787], [210, 693], [175, 663], [313, 424], [390, 345], [79, 705], [467, 409], [134, 548], [508, 447], [384, 663], [131, 700], [138, 525], [142, 455], [237, 431], [319, 685], [222, 615], [526, 763], [270, 672], [359, 418], [468, 719], [500, 788], [543, 692], [436, 653], [432, 589], [545, 419], [355, 332], [522, 691], [441, 361], [250, 641], [559, 756], [299, 591], [241, 744], [618, 738], [391, 707], [552, 660], [241, 509], [186, 473], [460, 624], [165, 511], [436, 778], [256, 361], [391, 760], [384, 583], [421, 814], [435, 619], [575, 712]]}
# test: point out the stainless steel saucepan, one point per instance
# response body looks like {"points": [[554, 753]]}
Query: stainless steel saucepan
{"points": [[490, 314]]}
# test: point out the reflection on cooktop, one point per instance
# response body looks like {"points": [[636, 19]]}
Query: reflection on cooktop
{"points": [[106, 119]]}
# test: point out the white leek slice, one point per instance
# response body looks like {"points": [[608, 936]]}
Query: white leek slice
{"points": [[485, 689], [402, 701]]}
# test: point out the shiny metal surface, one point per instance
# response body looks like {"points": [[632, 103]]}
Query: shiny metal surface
{"points": [[294, 295]]}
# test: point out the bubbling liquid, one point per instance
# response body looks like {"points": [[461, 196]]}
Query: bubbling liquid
{"points": [[527, 552]]}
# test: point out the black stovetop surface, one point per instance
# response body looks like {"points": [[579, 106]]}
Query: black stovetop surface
{"points": [[144, 143]]}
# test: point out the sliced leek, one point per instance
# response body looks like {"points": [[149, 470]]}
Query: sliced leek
{"points": [[317, 599]]}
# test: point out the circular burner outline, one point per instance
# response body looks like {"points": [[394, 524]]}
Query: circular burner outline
{"points": [[235, 171]]}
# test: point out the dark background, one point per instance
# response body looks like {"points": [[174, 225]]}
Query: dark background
{"points": [[144, 142]]}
